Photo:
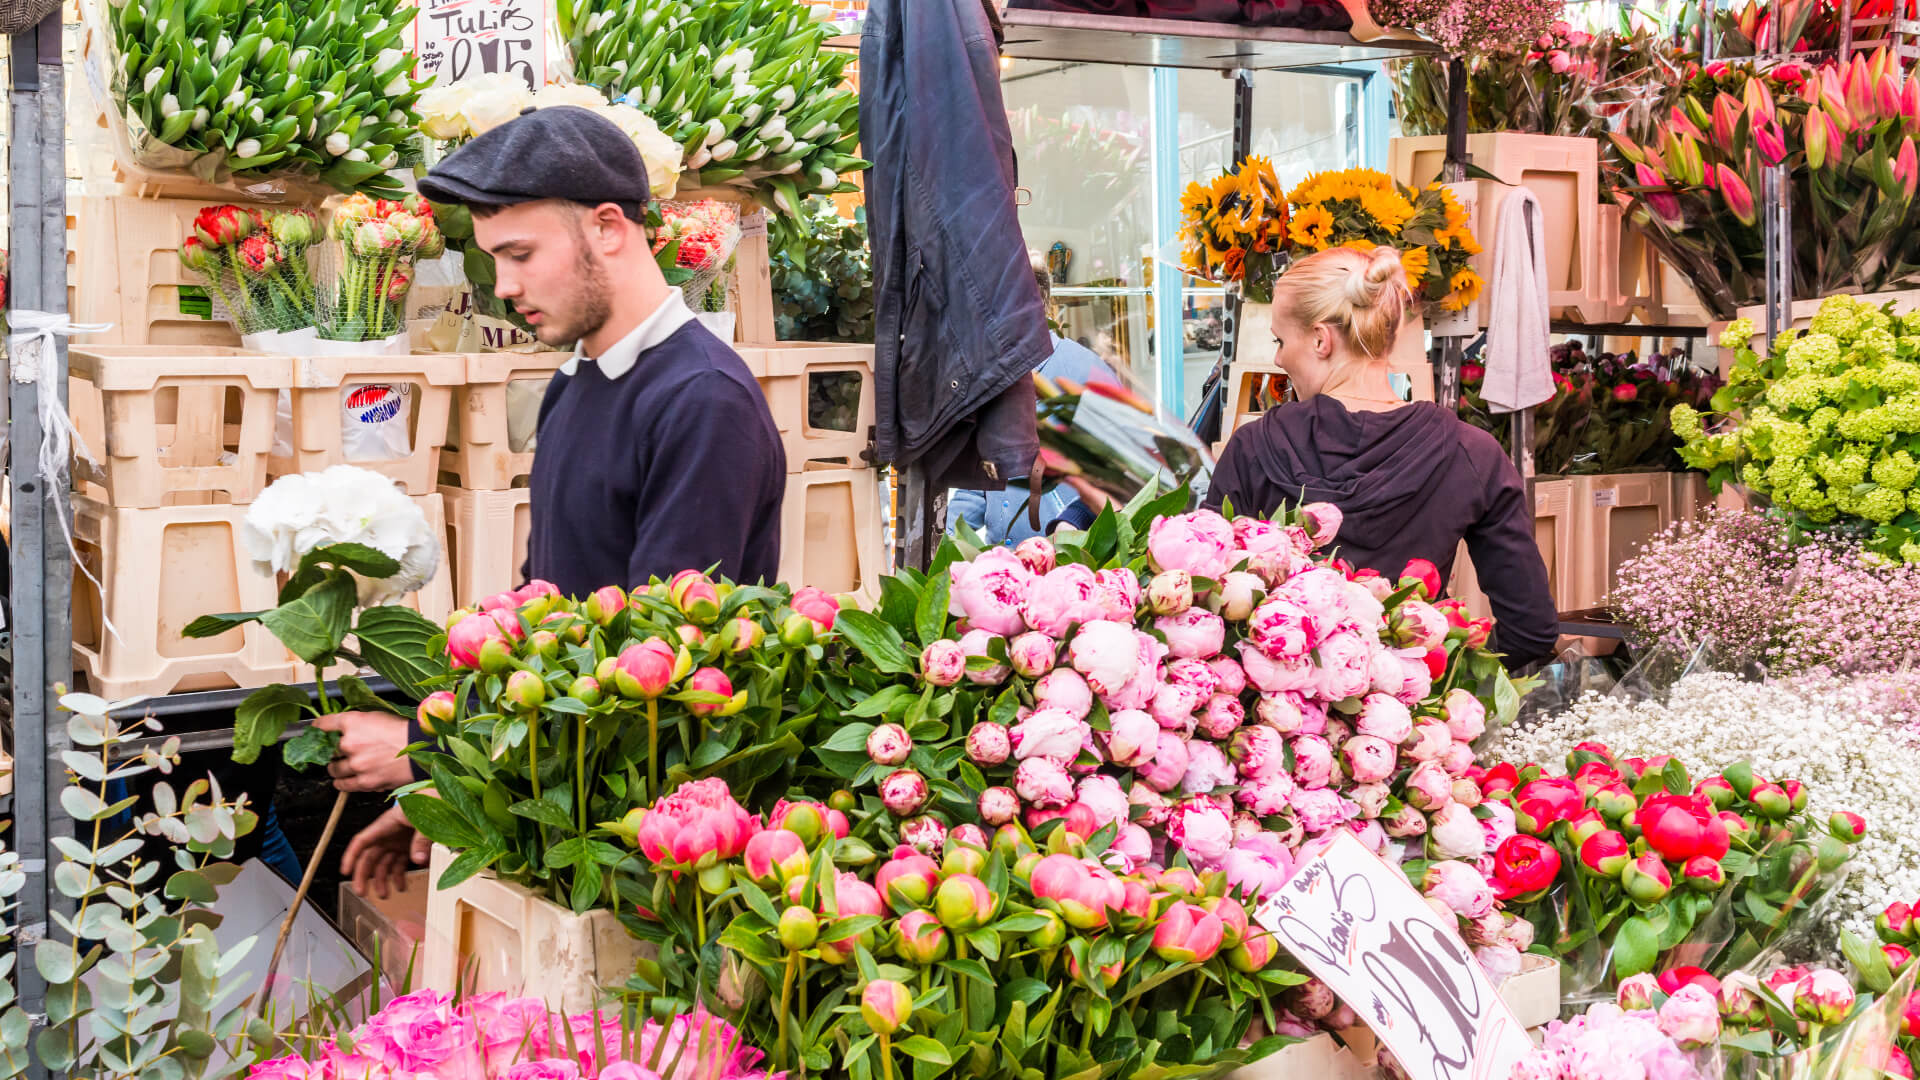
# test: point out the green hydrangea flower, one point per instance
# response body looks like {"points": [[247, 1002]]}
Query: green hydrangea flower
{"points": [[1686, 423], [1812, 352], [1740, 332], [1882, 505], [1837, 317], [1896, 470]]}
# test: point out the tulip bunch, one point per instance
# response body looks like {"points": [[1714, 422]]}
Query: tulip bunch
{"points": [[266, 88], [379, 240], [745, 89], [255, 259], [1845, 134], [1648, 865], [550, 718], [999, 952]]}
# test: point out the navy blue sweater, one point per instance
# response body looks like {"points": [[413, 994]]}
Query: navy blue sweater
{"points": [[674, 465]]}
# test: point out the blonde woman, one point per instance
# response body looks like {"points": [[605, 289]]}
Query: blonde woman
{"points": [[1411, 478]]}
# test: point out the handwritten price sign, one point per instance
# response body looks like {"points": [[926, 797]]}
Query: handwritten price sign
{"points": [[1357, 924], [455, 39]]}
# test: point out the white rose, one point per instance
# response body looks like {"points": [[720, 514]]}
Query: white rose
{"points": [[558, 94], [442, 110], [660, 153], [494, 100]]}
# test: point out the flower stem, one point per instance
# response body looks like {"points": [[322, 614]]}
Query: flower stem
{"points": [[700, 919], [960, 953], [1193, 999], [580, 771], [786, 999], [886, 1056], [653, 749]]}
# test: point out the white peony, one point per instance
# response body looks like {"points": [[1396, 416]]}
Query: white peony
{"points": [[557, 94], [339, 505], [658, 151]]}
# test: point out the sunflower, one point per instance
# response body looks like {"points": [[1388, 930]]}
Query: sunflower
{"points": [[1456, 213], [1414, 262], [1360, 243], [1466, 287], [1312, 227], [1196, 202], [1387, 208]]}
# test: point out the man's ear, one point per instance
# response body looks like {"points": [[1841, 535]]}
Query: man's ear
{"points": [[611, 226]]}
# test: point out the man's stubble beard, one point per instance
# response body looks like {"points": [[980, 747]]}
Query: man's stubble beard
{"points": [[593, 307]]}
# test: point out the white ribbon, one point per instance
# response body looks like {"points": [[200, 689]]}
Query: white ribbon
{"points": [[31, 352]]}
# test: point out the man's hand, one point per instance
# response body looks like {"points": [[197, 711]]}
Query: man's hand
{"points": [[371, 751], [380, 854]]}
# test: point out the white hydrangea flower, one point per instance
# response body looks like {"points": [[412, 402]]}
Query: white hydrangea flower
{"points": [[339, 505]]}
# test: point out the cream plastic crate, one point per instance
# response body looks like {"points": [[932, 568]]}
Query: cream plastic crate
{"points": [[1614, 516], [485, 935], [1552, 531], [391, 930], [1690, 496], [1563, 172], [160, 569], [1316, 1058], [317, 384], [1671, 298], [830, 531], [480, 452], [787, 373], [1803, 311], [1533, 992], [486, 540], [130, 273], [1610, 304], [161, 419]]}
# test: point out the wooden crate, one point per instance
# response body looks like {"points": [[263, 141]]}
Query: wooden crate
{"points": [[486, 540], [317, 385], [1563, 172], [131, 275], [486, 935], [787, 374], [479, 453], [1552, 531], [160, 568], [163, 418], [1613, 517], [830, 531]]}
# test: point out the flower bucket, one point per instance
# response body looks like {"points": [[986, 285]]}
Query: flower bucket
{"points": [[486, 935], [1533, 992], [1319, 1057]]}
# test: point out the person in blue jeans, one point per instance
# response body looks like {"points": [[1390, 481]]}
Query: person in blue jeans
{"points": [[1001, 516]]}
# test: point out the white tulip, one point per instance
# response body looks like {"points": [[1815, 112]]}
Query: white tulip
{"points": [[815, 131], [715, 132], [789, 169], [169, 106], [153, 78], [826, 179], [246, 148], [775, 127], [356, 154], [235, 99], [392, 159], [783, 98], [259, 115], [700, 158], [200, 118], [724, 150], [338, 143], [397, 87], [266, 46], [751, 113], [386, 60], [221, 48]]}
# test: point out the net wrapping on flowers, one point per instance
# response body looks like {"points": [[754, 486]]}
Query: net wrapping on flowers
{"points": [[366, 271], [257, 265], [702, 236]]}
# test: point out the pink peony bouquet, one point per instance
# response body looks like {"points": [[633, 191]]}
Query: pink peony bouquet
{"points": [[1609, 1042], [494, 1037]]}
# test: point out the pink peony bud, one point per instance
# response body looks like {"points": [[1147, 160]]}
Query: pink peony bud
{"points": [[1690, 1017], [606, 602], [1187, 934], [999, 805], [1033, 653], [468, 636], [711, 680], [1461, 887], [1847, 826], [693, 593], [920, 939], [1235, 598], [1170, 592], [1200, 543], [1064, 689], [1260, 752], [980, 643], [1824, 997], [924, 834], [1428, 787], [1036, 554], [437, 712], [1466, 717], [1313, 1000], [645, 670], [1193, 634], [1131, 738], [1646, 878], [988, 743], [1368, 760], [1042, 783], [1431, 740], [1312, 761], [903, 792], [943, 663], [1455, 833], [775, 856], [889, 745], [1232, 679], [1423, 576], [1385, 718], [886, 1006], [1169, 764], [818, 605], [1222, 716], [1049, 733]]}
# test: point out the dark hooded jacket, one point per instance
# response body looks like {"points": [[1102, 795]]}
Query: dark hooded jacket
{"points": [[1411, 483]]}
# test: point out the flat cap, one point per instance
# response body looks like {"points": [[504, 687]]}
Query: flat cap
{"points": [[564, 152]]}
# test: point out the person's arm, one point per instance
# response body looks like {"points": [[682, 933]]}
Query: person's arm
{"points": [[1512, 574], [969, 506], [1227, 482], [706, 468]]}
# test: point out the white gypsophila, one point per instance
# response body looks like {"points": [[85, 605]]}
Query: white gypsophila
{"points": [[1848, 758], [340, 505]]}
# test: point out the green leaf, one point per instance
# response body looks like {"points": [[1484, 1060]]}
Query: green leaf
{"points": [[931, 617], [972, 969], [1869, 961], [465, 865], [1676, 778], [260, 720], [542, 811], [359, 558], [921, 1048], [394, 642], [1635, 947], [311, 747], [879, 642], [207, 626], [880, 701], [568, 853], [314, 625], [358, 695], [438, 822]]}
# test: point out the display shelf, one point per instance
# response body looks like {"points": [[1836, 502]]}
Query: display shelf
{"points": [[1179, 43], [1561, 326]]}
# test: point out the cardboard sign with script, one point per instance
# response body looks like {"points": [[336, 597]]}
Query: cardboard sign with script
{"points": [[1357, 924], [457, 39]]}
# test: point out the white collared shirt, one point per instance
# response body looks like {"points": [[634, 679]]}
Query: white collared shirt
{"points": [[666, 320]]}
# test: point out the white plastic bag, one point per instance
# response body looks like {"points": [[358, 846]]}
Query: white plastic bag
{"points": [[374, 418]]}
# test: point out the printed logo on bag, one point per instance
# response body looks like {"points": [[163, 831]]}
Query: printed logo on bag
{"points": [[376, 403]]}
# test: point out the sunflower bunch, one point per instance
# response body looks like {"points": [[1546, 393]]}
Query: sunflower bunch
{"points": [[1366, 208], [1234, 229]]}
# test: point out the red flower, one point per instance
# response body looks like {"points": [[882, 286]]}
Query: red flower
{"points": [[1500, 779], [1671, 981], [1593, 776], [1436, 664], [1545, 801], [1680, 827], [222, 226], [1523, 866], [1605, 853], [1625, 392]]}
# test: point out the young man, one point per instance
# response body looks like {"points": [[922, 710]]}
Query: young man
{"points": [[656, 452]]}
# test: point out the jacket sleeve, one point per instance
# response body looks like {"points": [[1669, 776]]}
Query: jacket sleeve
{"points": [[1231, 482], [1507, 558], [700, 504], [970, 506]]}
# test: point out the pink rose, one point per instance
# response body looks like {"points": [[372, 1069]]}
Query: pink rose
{"points": [[1260, 752], [1385, 718], [1201, 543], [1064, 689], [1106, 654], [1320, 810], [978, 642], [1279, 629], [1207, 768], [1428, 787], [1042, 783], [1466, 717], [1274, 676], [1430, 740], [1257, 866], [1197, 674], [1456, 833], [1049, 733], [1370, 799], [1344, 659], [989, 590], [1194, 634], [1154, 806], [1322, 521], [1119, 593], [1102, 795], [1222, 716], [1174, 704], [1131, 738], [1267, 796], [1460, 887], [1369, 760], [1065, 597], [1202, 831], [1169, 764], [1033, 653], [1312, 761], [1232, 677], [1035, 553]]}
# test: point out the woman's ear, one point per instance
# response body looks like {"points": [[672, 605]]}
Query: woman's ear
{"points": [[1323, 342]]}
